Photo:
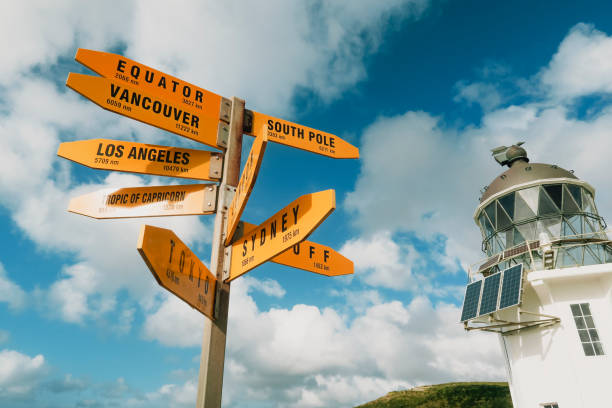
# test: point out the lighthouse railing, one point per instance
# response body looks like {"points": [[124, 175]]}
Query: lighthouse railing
{"points": [[556, 253]]}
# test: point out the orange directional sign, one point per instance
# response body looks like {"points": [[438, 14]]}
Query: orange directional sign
{"points": [[312, 257], [284, 229], [245, 185], [177, 269], [146, 107], [134, 74], [302, 137], [105, 154], [191, 199]]}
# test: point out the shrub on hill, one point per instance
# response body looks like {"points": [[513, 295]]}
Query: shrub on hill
{"points": [[451, 395]]}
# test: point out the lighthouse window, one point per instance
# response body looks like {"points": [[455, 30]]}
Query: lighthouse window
{"points": [[490, 210], [503, 220], [486, 225], [546, 205], [507, 202], [527, 231], [576, 192], [570, 205], [554, 191], [588, 205], [589, 338], [526, 203]]}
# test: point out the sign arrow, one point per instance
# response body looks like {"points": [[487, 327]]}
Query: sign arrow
{"points": [[134, 74], [301, 137], [146, 107], [176, 268], [106, 154], [245, 185], [131, 202], [284, 229], [312, 257]]}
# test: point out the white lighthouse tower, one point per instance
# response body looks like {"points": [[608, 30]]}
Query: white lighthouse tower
{"points": [[546, 284]]}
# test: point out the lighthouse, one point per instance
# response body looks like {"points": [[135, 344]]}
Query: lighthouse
{"points": [[545, 285]]}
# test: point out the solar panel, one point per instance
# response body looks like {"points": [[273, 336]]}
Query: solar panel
{"points": [[511, 287], [490, 293], [470, 303]]}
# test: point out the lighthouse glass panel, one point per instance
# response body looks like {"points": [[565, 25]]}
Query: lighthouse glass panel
{"points": [[561, 211], [570, 205], [555, 192]]}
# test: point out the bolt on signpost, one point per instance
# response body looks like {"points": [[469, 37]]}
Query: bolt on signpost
{"points": [[142, 93]]}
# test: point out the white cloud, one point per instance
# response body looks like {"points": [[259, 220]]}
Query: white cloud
{"points": [[510, 120], [380, 261], [175, 323], [71, 293], [358, 301], [485, 94], [10, 292], [52, 30], [425, 180], [19, 373], [125, 321], [268, 287], [305, 356], [581, 66], [343, 391], [175, 396], [319, 47], [451, 348]]}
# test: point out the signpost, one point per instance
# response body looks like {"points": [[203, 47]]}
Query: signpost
{"points": [[284, 229], [191, 199], [245, 185], [301, 137], [176, 268], [153, 97], [105, 154], [312, 257], [146, 107]]}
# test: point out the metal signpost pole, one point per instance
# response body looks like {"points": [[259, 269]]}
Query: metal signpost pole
{"points": [[210, 382]]}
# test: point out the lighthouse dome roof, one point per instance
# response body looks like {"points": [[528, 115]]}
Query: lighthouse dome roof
{"points": [[522, 172]]}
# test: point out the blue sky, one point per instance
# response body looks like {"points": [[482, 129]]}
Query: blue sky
{"points": [[425, 88]]}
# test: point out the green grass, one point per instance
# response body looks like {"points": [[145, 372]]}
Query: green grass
{"points": [[451, 395]]}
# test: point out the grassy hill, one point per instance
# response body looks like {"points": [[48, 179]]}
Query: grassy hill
{"points": [[451, 395]]}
